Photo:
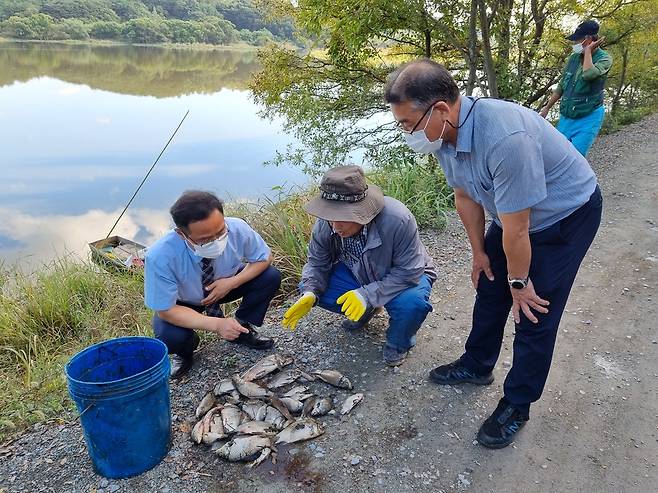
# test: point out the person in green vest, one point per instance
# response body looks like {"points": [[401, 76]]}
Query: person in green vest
{"points": [[581, 88]]}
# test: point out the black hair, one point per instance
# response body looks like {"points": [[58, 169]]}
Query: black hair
{"points": [[194, 205], [423, 82]]}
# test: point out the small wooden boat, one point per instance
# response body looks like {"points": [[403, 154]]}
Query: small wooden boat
{"points": [[116, 253]]}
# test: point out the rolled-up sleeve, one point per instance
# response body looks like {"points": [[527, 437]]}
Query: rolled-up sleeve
{"points": [[517, 167], [600, 68], [160, 286]]}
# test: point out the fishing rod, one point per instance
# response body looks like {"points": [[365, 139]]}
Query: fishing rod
{"points": [[147, 175]]}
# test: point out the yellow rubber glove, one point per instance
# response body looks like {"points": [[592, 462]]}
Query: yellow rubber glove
{"points": [[354, 305], [301, 307]]}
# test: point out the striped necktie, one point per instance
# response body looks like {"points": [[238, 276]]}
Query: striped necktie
{"points": [[207, 277]]}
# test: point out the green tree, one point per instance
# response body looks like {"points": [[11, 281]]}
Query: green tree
{"points": [[35, 26], [22, 8], [106, 30], [145, 30], [80, 9]]}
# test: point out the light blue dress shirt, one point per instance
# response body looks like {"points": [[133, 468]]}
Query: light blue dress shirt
{"points": [[172, 271], [508, 158]]}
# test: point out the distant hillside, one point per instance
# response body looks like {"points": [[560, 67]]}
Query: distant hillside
{"points": [[218, 22]]}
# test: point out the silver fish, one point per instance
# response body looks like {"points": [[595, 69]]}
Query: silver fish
{"points": [[264, 454], [249, 389], [197, 432], [302, 429], [275, 418], [282, 379], [281, 407], [255, 410], [267, 365], [293, 405], [224, 387], [244, 447], [317, 406], [214, 425], [332, 377], [206, 404], [350, 403], [231, 418], [255, 428], [299, 393]]}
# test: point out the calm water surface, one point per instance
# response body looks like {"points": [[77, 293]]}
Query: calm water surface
{"points": [[80, 126]]}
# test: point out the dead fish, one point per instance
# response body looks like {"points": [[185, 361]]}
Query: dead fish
{"points": [[197, 432], [282, 379], [215, 426], [305, 377], [267, 365], [206, 404], [332, 377], [231, 418], [293, 405], [317, 406], [224, 387], [264, 454], [299, 393], [244, 447], [281, 407], [302, 429], [350, 403], [255, 410], [255, 428], [275, 418], [250, 390]]}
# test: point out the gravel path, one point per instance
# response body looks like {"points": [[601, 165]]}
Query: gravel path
{"points": [[595, 429]]}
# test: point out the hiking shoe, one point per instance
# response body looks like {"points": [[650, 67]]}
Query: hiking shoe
{"points": [[455, 373], [499, 429], [253, 339], [350, 326], [394, 357], [180, 366]]}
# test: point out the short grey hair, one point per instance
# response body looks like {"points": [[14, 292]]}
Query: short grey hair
{"points": [[422, 82]]}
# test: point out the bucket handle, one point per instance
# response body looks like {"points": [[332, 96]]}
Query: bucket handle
{"points": [[86, 409]]}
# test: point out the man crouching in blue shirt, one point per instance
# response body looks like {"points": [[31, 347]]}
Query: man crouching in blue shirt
{"points": [[545, 204], [207, 260]]}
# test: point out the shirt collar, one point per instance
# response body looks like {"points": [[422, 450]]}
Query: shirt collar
{"points": [[465, 131]]}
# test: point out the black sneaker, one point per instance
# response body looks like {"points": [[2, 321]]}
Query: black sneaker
{"points": [[362, 322], [499, 429], [455, 373], [253, 339], [180, 366]]}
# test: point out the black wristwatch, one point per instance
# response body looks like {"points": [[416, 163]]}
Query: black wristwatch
{"points": [[517, 283]]}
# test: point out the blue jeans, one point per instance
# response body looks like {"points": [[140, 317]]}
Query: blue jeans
{"points": [[407, 311], [581, 132]]}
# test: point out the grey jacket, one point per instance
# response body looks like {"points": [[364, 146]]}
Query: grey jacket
{"points": [[394, 258]]}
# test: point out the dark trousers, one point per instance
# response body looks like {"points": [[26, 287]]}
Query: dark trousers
{"points": [[556, 256], [256, 297]]}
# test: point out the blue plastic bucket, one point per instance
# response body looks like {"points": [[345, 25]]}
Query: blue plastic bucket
{"points": [[121, 390]]}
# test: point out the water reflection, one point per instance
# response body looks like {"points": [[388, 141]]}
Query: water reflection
{"points": [[137, 70], [80, 125]]}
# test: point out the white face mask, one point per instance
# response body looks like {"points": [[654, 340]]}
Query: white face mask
{"points": [[577, 48], [419, 142], [212, 249]]}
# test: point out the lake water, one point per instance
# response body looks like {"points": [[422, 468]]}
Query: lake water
{"points": [[81, 125]]}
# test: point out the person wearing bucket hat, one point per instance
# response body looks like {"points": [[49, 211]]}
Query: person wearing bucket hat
{"points": [[545, 205], [206, 261], [580, 89], [365, 254]]}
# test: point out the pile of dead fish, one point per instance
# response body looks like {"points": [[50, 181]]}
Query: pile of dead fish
{"points": [[245, 417]]}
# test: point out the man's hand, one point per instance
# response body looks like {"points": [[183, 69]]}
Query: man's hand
{"points": [[544, 111], [594, 44], [527, 300], [217, 290], [480, 264], [227, 328], [354, 305], [301, 307]]}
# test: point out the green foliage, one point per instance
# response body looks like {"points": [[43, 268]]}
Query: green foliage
{"points": [[145, 21]]}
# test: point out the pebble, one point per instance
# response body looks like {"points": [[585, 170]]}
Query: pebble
{"points": [[355, 460], [104, 482], [113, 487]]}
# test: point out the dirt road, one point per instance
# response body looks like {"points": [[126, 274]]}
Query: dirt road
{"points": [[594, 430]]}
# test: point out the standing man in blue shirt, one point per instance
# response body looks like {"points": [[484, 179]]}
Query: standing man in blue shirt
{"points": [[207, 260], [545, 204]]}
